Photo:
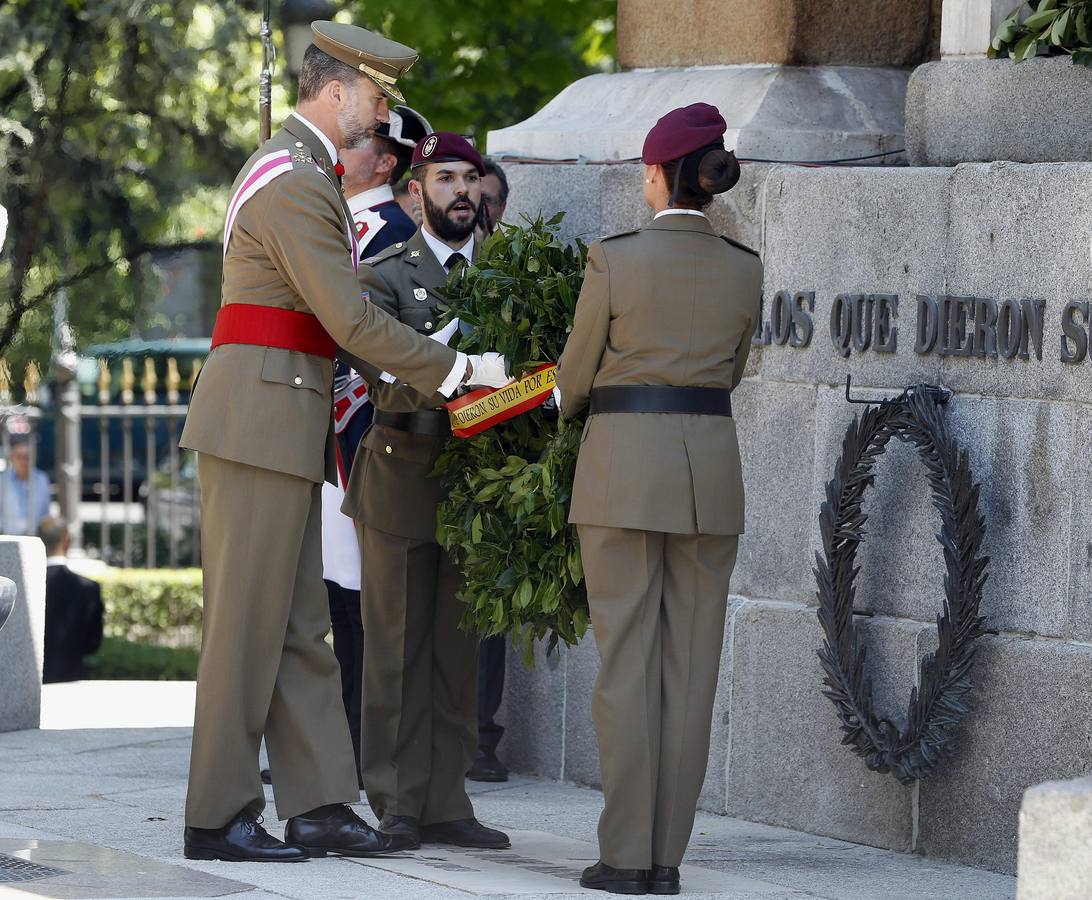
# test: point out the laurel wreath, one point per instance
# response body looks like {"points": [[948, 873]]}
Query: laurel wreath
{"points": [[913, 747]]}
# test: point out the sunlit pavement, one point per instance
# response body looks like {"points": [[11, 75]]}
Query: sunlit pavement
{"points": [[91, 806]]}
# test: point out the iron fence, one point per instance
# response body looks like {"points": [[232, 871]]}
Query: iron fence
{"points": [[126, 491]]}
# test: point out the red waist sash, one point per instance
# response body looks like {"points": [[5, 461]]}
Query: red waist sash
{"points": [[267, 326]]}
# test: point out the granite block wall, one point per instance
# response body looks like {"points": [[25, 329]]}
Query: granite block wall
{"points": [[1015, 238]]}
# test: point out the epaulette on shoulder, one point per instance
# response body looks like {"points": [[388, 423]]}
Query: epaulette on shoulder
{"points": [[386, 253], [301, 156], [742, 247], [611, 237]]}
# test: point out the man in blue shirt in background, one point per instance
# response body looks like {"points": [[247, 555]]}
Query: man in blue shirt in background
{"points": [[24, 492]]}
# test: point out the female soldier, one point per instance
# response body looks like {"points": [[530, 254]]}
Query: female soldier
{"points": [[661, 336]]}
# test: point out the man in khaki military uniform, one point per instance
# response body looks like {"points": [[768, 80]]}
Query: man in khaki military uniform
{"points": [[420, 669], [661, 336], [259, 420]]}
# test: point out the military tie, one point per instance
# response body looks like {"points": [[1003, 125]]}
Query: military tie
{"points": [[454, 262]]}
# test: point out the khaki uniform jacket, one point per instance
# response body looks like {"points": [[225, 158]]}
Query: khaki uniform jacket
{"points": [[290, 249], [389, 488], [671, 304]]}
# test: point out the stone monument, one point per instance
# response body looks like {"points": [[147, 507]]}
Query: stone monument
{"points": [[966, 108], [22, 563], [979, 271]]}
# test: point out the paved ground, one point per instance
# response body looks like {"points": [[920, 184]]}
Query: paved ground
{"points": [[91, 806]]}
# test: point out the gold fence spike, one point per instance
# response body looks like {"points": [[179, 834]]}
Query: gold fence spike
{"points": [[128, 381], [195, 371], [31, 380], [174, 380], [5, 382], [104, 381], [149, 381]]}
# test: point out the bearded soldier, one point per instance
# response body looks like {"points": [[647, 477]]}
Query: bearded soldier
{"points": [[259, 419], [371, 167], [420, 669]]}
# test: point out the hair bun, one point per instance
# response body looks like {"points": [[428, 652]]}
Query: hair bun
{"points": [[718, 171]]}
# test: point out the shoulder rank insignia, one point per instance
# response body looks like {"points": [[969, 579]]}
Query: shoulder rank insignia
{"points": [[387, 253], [414, 254], [742, 247], [611, 237], [420, 294]]}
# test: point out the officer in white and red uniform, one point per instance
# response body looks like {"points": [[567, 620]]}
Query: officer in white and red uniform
{"points": [[370, 169]]}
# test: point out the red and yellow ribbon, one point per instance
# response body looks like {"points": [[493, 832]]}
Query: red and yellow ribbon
{"points": [[485, 408]]}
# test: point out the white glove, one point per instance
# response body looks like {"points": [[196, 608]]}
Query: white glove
{"points": [[557, 397], [444, 336], [488, 370]]}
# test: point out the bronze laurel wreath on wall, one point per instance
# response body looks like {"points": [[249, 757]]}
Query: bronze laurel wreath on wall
{"points": [[911, 749]]}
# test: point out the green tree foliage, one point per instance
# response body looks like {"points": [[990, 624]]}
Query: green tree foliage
{"points": [[1054, 27], [124, 122], [119, 119], [505, 520], [487, 64]]}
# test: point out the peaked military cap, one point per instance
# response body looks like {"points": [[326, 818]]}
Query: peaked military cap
{"points": [[384, 61], [446, 146]]}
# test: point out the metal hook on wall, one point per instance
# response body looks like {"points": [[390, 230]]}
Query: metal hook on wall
{"points": [[937, 394]]}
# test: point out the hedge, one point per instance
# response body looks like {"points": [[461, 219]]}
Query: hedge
{"points": [[125, 661], [153, 606]]}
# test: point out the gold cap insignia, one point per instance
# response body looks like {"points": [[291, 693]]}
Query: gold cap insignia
{"points": [[430, 146], [382, 60]]}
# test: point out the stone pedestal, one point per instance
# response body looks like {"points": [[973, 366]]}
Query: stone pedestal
{"points": [[786, 32], [773, 112], [1055, 824], [22, 559], [985, 110], [796, 80], [968, 26]]}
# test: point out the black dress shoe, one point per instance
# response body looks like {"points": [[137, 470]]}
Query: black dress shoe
{"points": [[337, 829], [663, 880], [465, 833], [242, 840], [487, 768], [602, 877], [402, 827]]}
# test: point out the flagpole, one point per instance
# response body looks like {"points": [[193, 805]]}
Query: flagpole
{"points": [[265, 99]]}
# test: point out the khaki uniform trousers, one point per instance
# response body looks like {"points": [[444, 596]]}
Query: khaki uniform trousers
{"points": [[265, 667], [658, 605], [419, 719]]}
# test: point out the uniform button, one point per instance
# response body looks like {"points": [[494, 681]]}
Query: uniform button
{"points": [[389, 449], [297, 380], [428, 326]]}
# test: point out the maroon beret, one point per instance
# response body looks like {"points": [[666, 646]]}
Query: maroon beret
{"points": [[446, 146], [683, 131]]}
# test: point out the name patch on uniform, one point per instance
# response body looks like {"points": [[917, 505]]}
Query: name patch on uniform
{"points": [[480, 410]]}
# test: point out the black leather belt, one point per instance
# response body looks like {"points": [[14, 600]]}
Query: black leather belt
{"points": [[426, 421], [661, 398]]}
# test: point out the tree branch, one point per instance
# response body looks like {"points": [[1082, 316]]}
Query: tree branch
{"points": [[134, 252]]}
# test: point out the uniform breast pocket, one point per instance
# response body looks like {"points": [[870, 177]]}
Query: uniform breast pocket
{"points": [[422, 319], [298, 370], [401, 446]]}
